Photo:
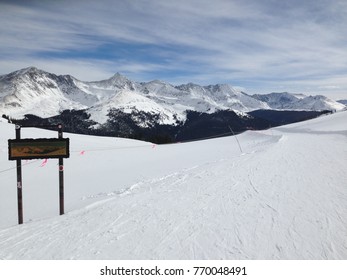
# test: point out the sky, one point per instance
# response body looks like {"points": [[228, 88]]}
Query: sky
{"points": [[256, 46]]}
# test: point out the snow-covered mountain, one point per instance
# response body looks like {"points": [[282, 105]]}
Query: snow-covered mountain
{"points": [[33, 91], [288, 101], [37, 92], [343, 101]]}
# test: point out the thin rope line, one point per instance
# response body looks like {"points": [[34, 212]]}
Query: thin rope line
{"points": [[125, 148]]}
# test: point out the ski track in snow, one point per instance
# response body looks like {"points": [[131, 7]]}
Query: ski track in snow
{"points": [[284, 198]]}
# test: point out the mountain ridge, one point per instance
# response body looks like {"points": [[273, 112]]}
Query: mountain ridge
{"points": [[34, 91]]}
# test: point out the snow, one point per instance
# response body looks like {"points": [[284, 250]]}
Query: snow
{"points": [[33, 91], [283, 197], [289, 101], [127, 101]]}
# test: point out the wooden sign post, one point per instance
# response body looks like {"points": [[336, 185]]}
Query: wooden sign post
{"points": [[61, 175], [44, 148], [19, 183]]}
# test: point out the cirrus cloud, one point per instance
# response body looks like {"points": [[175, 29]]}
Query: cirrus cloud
{"points": [[258, 45]]}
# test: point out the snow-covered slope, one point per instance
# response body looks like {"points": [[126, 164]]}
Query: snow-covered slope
{"points": [[290, 101], [128, 101], [344, 102], [33, 91], [282, 197]]}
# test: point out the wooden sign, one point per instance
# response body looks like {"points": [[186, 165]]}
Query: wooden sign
{"points": [[19, 149], [38, 148]]}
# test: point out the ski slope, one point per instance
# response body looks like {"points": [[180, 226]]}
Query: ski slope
{"points": [[284, 196]]}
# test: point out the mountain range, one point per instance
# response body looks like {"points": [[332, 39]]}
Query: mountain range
{"points": [[34, 92]]}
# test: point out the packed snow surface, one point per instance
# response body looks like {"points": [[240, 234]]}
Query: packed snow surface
{"points": [[283, 196]]}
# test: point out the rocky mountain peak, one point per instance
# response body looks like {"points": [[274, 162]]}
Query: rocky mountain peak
{"points": [[35, 91]]}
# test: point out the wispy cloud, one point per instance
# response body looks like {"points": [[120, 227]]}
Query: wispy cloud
{"points": [[258, 45]]}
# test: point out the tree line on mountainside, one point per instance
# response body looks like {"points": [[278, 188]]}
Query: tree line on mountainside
{"points": [[197, 125]]}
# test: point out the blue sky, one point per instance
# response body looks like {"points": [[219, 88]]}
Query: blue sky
{"points": [[258, 46]]}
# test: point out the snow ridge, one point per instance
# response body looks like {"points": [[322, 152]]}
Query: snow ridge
{"points": [[288, 101], [34, 91]]}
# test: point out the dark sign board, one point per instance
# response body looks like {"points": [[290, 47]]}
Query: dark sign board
{"points": [[38, 148]]}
